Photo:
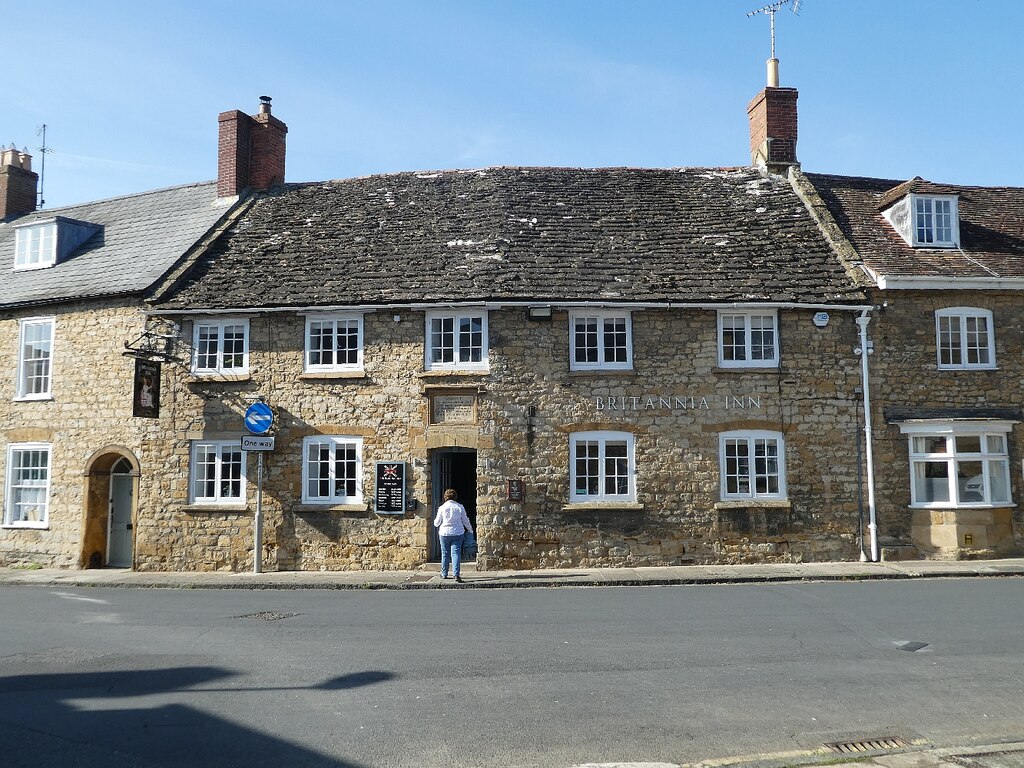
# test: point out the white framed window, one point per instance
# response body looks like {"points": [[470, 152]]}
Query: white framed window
{"points": [[957, 464], [600, 340], [28, 485], [218, 472], [334, 343], [332, 470], [936, 222], [35, 246], [35, 357], [964, 338], [748, 339], [220, 346], [456, 340], [752, 465], [601, 467]]}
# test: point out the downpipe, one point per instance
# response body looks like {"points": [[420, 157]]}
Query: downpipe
{"points": [[864, 350]]}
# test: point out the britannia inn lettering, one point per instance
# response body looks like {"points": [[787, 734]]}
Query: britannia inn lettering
{"points": [[677, 403]]}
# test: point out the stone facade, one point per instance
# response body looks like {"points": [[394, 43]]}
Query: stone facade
{"points": [[88, 422], [675, 402], [905, 374]]}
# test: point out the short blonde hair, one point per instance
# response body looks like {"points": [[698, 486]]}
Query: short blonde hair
{"points": [[450, 494]]}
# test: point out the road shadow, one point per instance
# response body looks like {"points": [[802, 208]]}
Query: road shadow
{"points": [[66, 719]]}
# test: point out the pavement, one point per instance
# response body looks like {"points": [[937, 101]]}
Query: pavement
{"points": [[429, 577]]}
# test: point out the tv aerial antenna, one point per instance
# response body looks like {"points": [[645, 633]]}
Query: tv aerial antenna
{"points": [[43, 151], [771, 10]]}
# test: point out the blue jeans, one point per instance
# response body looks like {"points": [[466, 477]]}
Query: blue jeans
{"points": [[451, 549]]}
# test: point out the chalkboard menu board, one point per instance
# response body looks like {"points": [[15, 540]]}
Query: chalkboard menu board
{"points": [[389, 493]]}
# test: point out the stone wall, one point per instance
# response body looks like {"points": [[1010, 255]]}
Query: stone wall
{"points": [[88, 421], [525, 408], [905, 373]]}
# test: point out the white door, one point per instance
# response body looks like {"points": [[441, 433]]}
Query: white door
{"points": [[119, 534]]}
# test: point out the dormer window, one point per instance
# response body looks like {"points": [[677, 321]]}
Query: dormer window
{"points": [[36, 246], [934, 220]]}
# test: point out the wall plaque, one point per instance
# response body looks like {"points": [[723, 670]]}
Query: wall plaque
{"points": [[453, 409]]}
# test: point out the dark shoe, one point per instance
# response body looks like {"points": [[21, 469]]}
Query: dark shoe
{"points": [[443, 576], [459, 580]]}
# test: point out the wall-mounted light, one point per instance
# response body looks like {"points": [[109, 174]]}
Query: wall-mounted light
{"points": [[539, 313]]}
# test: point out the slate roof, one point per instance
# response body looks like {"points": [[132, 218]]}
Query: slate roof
{"points": [[521, 234], [991, 227], [141, 237]]}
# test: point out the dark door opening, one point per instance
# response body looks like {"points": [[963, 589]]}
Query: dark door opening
{"points": [[452, 468]]}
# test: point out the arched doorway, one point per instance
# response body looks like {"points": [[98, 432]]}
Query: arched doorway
{"points": [[111, 490], [120, 538]]}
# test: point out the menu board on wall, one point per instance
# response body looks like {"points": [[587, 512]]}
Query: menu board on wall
{"points": [[389, 489]]}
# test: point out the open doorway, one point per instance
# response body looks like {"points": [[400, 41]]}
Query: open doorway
{"points": [[452, 468]]}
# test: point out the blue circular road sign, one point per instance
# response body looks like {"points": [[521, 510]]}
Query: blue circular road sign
{"points": [[259, 418]]}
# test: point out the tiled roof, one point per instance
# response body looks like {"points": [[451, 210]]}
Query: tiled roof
{"points": [[991, 227], [141, 237], [512, 234]]}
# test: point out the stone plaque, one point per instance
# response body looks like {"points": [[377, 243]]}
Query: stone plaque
{"points": [[453, 409]]}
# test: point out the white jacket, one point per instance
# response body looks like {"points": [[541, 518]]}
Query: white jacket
{"points": [[452, 520]]}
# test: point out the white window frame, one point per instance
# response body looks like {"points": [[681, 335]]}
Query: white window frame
{"points": [[219, 448], [219, 367], [748, 348], [601, 440], [940, 444], [752, 475], [926, 207], [25, 364], [333, 442], [963, 345], [601, 320], [457, 348], [35, 245], [350, 323], [43, 507]]}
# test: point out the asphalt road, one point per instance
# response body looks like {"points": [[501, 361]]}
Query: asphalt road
{"points": [[532, 677]]}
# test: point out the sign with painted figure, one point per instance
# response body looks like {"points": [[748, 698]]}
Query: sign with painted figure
{"points": [[146, 397], [259, 418], [389, 488]]}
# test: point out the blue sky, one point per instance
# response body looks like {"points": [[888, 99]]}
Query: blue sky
{"points": [[130, 91]]}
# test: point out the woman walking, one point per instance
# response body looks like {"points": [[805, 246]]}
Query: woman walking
{"points": [[451, 522]]}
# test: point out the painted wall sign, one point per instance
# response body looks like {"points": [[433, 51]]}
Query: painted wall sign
{"points": [[389, 488], [678, 403]]}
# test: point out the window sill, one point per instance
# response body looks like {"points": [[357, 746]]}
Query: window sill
{"points": [[965, 368], [746, 368], [307, 506], [945, 505], [208, 376], [33, 398], [604, 372], [462, 373], [25, 526], [200, 507], [753, 504], [609, 506], [313, 375]]}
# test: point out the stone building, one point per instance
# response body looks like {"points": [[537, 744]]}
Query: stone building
{"points": [[79, 418], [945, 266], [613, 367]]}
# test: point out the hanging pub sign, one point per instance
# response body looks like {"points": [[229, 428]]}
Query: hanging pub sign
{"points": [[389, 491], [146, 393]]}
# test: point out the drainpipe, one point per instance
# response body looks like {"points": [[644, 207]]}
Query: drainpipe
{"points": [[864, 351]]}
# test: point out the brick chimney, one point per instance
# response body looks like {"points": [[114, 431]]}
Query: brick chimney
{"points": [[772, 116], [18, 183], [250, 150]]}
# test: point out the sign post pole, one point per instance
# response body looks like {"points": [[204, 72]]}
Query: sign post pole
{"points": [[257, 560], [258, 420]]}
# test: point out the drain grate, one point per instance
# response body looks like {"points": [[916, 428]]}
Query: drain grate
{"points": [[267, 616], [868, 745]]}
